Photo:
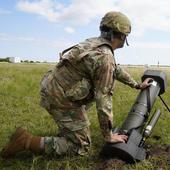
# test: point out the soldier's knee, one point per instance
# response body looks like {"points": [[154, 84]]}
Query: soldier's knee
{"points": [[78, 142], [59, 146]]}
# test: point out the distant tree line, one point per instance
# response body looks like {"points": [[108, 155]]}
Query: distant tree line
{"points": [[29, 61], [7, 59], [4, 59]]}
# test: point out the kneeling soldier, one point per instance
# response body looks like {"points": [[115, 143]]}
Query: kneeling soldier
{"points": [[86, 72]]}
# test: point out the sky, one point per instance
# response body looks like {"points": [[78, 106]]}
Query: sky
{"points": [[39, 29]]}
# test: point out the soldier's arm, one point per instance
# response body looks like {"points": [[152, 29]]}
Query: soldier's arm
{"points": [[105, 115], [121, 75], [103, 95], [103, 81], [100, 66]]}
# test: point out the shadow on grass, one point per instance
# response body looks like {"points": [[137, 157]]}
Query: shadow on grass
{"points": [[159, 159]]}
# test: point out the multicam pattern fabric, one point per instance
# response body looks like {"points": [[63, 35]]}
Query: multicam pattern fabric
{"points": [[124, 77], [84, 74], [117, 21], [71, 143]]}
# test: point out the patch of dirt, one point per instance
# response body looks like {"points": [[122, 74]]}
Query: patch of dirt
{"points": [[159, 156], [111, 164], [159, 150]]}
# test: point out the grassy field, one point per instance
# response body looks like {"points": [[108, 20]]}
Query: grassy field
{"points": [[19, 106]]}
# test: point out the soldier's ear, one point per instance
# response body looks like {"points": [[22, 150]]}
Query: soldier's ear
{"points": [[122, 36]]}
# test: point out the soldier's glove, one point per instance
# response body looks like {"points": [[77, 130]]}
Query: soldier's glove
{"points": [[146, 83]]}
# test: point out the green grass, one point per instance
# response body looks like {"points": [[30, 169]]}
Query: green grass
{"points": [[19, 106]]}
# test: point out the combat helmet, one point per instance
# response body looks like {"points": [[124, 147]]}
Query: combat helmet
{"points": [[117, 21]]}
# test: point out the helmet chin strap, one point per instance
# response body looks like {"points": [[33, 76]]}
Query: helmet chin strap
{"points": [[126, 41], [111, 35]]}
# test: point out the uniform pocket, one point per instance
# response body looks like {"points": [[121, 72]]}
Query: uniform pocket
{"points": [[79, 91]]}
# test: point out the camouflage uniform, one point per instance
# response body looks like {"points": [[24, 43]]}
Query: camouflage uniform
{"points": [[86, 72]]}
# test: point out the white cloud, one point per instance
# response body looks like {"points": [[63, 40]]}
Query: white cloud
{"points": [[44, 8], [145, 14], [77, 12], [69, 30]]}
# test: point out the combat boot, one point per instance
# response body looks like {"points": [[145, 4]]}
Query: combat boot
{"points": [[21, 140]]}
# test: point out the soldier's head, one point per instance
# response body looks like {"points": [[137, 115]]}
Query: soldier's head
{"points": [[115, 26]]}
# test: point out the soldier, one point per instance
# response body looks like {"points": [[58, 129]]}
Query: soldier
{"points": [[86, 72]]}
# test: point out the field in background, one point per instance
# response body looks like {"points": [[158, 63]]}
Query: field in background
{"points": [[19, 106]]}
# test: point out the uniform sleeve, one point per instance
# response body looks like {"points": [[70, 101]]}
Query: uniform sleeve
{"points": [[103, 83], [124, 77]]}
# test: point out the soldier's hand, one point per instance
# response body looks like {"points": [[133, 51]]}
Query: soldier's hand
{"points": [[115, 137], [146, 83]]}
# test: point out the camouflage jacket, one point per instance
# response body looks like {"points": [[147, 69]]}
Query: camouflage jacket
{"points": [[87, 72]]}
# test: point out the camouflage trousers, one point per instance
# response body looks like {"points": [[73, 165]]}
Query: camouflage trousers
{"points": [[73, 126]]}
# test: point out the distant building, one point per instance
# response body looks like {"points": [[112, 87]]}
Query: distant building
{"points": [[14, 59]]}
